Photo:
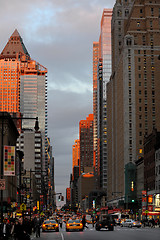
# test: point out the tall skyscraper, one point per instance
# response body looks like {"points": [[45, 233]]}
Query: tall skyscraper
{"points": [[86, 144], [95, 133], [23, 85], [133, 90], [101, 50]]}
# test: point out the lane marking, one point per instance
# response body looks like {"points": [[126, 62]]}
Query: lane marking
{"points": [[62, 236]]}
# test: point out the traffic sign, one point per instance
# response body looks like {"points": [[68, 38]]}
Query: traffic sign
{"points": [[2, 184], [23, 207]]}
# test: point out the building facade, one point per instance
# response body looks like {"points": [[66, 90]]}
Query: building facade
{"points": [[75, 156], [23, 85], [86, 144], [133, 90]]}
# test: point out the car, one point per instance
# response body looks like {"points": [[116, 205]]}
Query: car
{"points": [[74, 224], [49, 225], [105, 221], [131, 223]]}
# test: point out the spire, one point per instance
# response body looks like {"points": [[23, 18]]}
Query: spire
{"points": [[15, 33], [14, 45]]}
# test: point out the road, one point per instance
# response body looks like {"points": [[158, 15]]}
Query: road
{"points": [[91, 234]]}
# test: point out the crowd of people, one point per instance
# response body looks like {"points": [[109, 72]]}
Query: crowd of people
{"points": [[151, 222], [18, 229]]}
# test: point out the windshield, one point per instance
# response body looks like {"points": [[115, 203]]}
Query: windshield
{"points": [[49, 221]]}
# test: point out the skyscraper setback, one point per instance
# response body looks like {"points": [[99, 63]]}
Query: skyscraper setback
{"points": [[23, 85]]}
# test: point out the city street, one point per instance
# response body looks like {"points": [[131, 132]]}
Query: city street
{"points": [[119, 233]]}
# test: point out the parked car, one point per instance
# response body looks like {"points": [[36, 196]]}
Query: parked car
{"points": [[49, 225], [73, 225], [105, 221], [130, 223]]}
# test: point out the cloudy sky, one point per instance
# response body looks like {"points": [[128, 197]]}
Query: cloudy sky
{"points": [[59, 35]]}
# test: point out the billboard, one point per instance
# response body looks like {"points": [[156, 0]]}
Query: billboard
{"points": [[9, 161]]}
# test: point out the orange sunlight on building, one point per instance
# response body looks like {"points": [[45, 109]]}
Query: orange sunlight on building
{"points": [[75, 155]]}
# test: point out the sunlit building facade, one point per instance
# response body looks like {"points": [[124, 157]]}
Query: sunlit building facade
{"points": [[105, 55], [86, 144], [23, 86], [95, 133], [75, 155]]}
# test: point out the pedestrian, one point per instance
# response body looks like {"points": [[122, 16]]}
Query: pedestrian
{"points": [[5, 230], [37, 226], [84, 221], [152, 222], [93, 221], [16, 230], [60, 222]]}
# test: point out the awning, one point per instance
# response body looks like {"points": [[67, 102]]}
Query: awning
{"points": [[151, 213]]}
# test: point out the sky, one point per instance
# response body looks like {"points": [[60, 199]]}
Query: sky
{"points": [[59, 34]]}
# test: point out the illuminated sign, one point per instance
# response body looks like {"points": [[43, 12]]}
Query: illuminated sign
{"points": [[9, 160], [150, 198]]}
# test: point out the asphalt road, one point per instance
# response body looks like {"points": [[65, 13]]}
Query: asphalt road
{"points": [[91, 234]]}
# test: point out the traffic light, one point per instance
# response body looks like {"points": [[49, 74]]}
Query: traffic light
{"points": [[59, 198], [132, 186], [62, 198], [132, 200]]}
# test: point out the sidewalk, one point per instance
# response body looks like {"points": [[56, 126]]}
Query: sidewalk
{"points": [[33, 236]]}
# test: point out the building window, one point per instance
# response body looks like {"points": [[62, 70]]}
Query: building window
{"points": [[129, 41], [126, 12], [119, 13]]}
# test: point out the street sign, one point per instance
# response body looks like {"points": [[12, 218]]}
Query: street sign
{"points": [[2, 184], [23, 207]]}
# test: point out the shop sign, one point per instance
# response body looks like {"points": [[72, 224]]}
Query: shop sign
{"points": [[157, 209], [150, 198], [144, 208], [144, 192], [144, 199], [150, 208]]}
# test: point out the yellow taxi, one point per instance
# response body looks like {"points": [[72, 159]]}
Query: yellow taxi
{"points": [[49, 225], [74, 224]]}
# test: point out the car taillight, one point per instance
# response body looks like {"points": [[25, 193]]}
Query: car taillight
{"points": [[56, 225], [81, 224], [43, 225], [67, 225]]}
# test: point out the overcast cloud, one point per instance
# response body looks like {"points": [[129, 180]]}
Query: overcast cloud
{"points": [[59, 35]]}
